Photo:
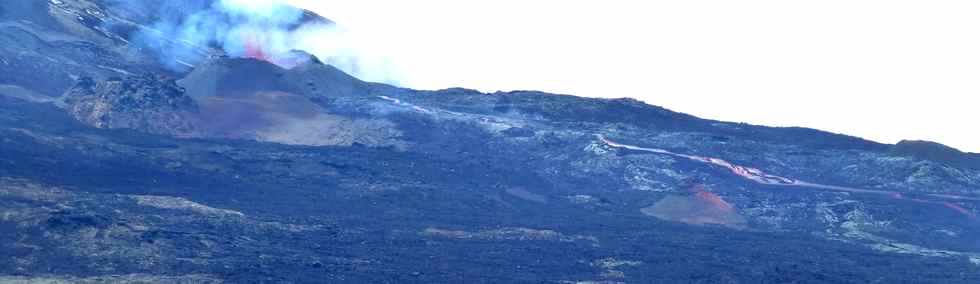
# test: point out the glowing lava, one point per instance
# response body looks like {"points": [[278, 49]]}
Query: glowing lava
{"points": [[256, 46], [960, 209], [760, 177], [254, 49]]}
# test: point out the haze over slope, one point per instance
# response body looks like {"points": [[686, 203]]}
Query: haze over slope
{"points": [[879, 69]]}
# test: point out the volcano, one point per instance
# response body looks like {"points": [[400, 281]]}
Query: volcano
{"points": [[131, 152]]}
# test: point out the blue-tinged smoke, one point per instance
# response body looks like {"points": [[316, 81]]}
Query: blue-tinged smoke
{"points": [[185, 32]]}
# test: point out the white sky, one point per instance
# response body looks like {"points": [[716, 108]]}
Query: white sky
{"points": [[885, 70]]}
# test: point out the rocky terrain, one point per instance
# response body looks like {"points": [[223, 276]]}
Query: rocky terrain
{"points": [[118, 164], [151, 104]]}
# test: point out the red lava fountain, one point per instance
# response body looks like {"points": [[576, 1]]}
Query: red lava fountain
{"points": [[254, 49]]}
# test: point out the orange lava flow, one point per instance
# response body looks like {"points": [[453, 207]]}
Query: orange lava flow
{"points": [[758, 176], [960, 209]]}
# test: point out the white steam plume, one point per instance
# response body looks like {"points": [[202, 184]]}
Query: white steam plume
{"points": [[270, 30]]}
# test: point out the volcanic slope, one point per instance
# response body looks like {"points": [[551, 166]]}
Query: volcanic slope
{"points": [[115, 166]]}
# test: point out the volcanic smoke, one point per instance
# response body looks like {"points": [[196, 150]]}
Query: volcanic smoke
{"points": [[264, 30]]}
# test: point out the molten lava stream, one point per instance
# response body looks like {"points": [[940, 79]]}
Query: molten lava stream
{"points": [[960, 209], [758, 176]]}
